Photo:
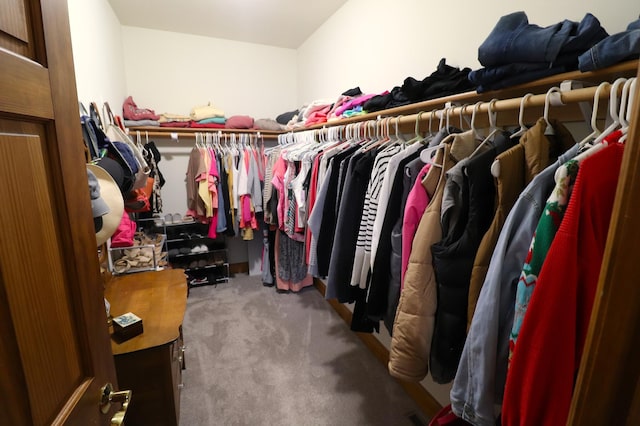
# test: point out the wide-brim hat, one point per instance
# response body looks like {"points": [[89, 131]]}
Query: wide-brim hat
{"points": [[110, 193]]}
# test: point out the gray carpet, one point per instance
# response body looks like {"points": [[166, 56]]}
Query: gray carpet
{"points": [[255, 357]]}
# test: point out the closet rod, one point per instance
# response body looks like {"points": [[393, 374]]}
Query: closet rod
{"points": [[502, 105], [172, 133]]}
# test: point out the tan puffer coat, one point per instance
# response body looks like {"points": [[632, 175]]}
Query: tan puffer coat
{"points": [[415, 317], [414, 321]]}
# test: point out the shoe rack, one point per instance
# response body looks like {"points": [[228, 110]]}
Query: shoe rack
{"points": [[204, 259]]}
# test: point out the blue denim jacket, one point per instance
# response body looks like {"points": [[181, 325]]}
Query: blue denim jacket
{"points": [[479, 384], [513, 39], [613, 49]]}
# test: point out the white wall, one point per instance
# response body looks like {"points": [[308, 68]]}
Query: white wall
{"points": [[376, 44], [172, 72], [96, 40]]}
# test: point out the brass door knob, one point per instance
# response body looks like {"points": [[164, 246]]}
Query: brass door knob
{"points": [[108, 396]]}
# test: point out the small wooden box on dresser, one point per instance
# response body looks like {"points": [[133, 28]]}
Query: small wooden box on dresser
{"points": [[151, 363]]}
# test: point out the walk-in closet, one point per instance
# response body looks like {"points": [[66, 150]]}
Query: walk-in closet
{"points": [[344, 212]]}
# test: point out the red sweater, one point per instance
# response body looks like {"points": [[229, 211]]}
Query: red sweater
{"points": [[545, 362]]}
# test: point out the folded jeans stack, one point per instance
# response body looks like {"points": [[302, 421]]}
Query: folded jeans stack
{"points": [[517, 52]]}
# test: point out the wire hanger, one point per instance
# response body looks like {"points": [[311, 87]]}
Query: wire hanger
{"points": [[523, 128]]}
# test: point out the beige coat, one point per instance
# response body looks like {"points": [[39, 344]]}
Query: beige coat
{"points": [[415, 316]]}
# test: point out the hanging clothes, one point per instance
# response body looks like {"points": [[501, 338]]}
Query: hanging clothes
{"points": [[541, 243], [555, 327], [478, 386], [153, 157], [389, 210], [346, 234], [328, 224], [413, 327], [519, 164], [362, 259]]}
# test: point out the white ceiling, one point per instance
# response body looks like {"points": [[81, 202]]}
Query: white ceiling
{"points": [[283, 23]]}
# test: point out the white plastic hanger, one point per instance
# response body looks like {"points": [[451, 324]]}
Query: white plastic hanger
{"points": [[626, 106], [547, 102], [614, 106], [431, 115], [523, 128], [493, 126], [462, 112], [474, 129], [427, 154], [594, 116], [399, 135]]}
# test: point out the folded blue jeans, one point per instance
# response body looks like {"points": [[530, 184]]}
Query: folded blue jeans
{"points": [[613, 49], [513, 39]]}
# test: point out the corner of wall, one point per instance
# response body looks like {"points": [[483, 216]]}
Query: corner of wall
{"points": [[96, 34]]}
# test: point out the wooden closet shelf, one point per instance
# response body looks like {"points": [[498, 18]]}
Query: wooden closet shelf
{"points": [[625, 69]]}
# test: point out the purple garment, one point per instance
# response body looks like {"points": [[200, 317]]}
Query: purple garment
{"points": [[360, 100]]}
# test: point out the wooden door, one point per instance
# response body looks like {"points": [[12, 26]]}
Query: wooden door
{"points": [[55, 353]]}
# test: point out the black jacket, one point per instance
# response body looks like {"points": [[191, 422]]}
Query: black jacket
{"points": [[453, 260]]}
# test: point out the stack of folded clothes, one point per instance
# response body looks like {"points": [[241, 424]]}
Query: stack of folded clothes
{"points": [[174, 120], [207, 116], [444, 81], [517, 52], [210, 123]]}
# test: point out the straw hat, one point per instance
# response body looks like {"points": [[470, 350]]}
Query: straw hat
{"points": [[109, 194]]}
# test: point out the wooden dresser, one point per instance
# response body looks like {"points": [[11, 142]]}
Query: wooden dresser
{"points": [[151, 364]]}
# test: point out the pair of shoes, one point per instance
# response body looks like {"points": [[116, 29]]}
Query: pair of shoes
{"points": [[172, 219], [219, 258], [199, 281], [198, 264], [200, 249], [139, 258]]}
